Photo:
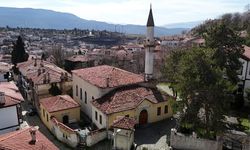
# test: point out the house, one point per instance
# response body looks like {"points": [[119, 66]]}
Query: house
{"points": [[26, 139], [78, 62], [144, 104], [5, 73], [40, 79], [123, 133], [244, 73], [94, 82], [10, 107], [58, 113]]}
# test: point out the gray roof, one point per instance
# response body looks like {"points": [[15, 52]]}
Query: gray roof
{"points": [[150, 22]]}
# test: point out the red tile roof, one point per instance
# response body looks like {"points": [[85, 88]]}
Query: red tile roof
{"points": [[20, 140], [247, 52], [11, 94], [124, 123], [108, 76], [127, 98], [30, 70], [58, 103]]}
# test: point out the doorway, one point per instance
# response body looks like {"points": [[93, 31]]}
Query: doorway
{"points": [[143, 118]]}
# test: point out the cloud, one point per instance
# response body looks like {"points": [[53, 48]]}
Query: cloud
{"points": [[136, 11]]}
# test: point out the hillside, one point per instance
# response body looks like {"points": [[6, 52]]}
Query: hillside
{"points": [[47, 19]]}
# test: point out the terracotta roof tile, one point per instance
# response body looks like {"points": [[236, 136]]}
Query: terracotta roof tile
{"points": [[20, 140], [11, 94], [30, 70], [127, 98], [124, 123], [108, 76], [247, 52], [58, 103]]}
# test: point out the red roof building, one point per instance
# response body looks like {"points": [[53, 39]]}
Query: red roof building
{"points": [[124, 123], [22, 140], [127, 98], [10, 107], [58, 103], [108, 76]]}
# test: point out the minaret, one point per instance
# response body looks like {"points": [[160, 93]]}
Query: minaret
{"points": [[149, 46]]}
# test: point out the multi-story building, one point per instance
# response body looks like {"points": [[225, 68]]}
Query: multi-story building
{"points": [[10, 107], [40, 79]]}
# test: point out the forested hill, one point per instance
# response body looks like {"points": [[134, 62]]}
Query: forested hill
{"points": [[239, 22]]}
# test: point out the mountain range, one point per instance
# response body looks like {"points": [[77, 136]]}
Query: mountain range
{"points": [[187, 25], [48, 19]]}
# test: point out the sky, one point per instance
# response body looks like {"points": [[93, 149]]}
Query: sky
{"points": [[136, 11]]}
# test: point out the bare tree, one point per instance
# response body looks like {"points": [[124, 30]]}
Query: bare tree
{"points": [[58, 54]]}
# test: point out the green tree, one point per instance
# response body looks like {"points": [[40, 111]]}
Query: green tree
{"points": [[203, 89], [228, 49], [18, 53]]}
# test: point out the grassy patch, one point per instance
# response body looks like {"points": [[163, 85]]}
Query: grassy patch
{"points": [[246, 124]]}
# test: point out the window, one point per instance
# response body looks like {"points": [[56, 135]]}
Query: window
{"points": [[47, 116], [100, 119], [158, 111], [166, 109], [85, 97], [76, 90], [240, 70], [43, 113], [80, 93], [96, 115]]}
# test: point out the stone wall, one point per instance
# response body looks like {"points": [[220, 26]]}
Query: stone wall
{"points": [[180, 141], [96, 136]]}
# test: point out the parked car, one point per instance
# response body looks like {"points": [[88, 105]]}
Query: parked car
{"points": [[32, 112]]}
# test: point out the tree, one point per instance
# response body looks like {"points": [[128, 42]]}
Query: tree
{"points": [[228, 49], [18, 53], [203, 89], [58, 54], [54, 90]]}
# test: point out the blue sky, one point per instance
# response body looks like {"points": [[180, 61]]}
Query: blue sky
{"points": [[136, 11]]}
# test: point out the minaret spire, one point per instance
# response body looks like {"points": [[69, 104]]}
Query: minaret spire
{"points": [[149, 47], [150, 22]]}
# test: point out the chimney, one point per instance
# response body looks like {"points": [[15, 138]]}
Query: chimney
{"points": [[44, 79], [62, 76], [39, 71], [35, 62], [48, 77], [107, 81], [33, 134], [66, 76], [41, 63], [2, 98]]}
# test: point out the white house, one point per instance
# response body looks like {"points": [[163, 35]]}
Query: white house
{"points": [[93, 83], [123, 136], [244, 72], [10, 107]]}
